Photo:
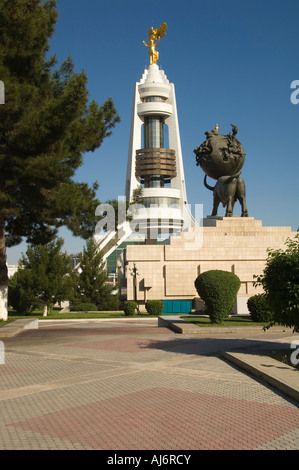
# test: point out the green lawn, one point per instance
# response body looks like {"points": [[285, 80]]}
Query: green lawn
{"points": [[198, 320], [55, 314], [231, 321]]}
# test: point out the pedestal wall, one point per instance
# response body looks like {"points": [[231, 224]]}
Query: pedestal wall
{"points": [[236, 244]]}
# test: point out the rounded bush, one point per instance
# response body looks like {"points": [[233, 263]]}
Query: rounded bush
{"points": [[154, 307], [130, 307], [259, 308], [88, 307], [218, 289]]}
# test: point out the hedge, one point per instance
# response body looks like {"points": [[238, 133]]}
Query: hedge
{"points": [[130, 307], [154, 307], [88, 307], [259, 308], [218, 289]]}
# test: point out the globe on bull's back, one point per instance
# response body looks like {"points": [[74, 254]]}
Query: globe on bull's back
{"points": [[220, 155]]}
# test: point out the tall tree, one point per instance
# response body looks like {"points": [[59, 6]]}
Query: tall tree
{"points": [[92, 276], [46, 126], [45, 277]]}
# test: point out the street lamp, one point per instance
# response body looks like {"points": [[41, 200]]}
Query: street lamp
{"points": [[135, 273]]}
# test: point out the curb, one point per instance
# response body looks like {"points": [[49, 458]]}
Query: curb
{"points": [[277, 374], [175, 323], [17, 326], [281, 376]]}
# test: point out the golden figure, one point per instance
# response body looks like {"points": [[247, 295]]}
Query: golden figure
{"points": [[155, 35]]}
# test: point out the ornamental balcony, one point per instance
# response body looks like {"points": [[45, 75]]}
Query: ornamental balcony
{"points": [[155, 161]]}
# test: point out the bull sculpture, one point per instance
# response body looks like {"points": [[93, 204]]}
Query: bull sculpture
{"points": [[222, 157], [227, 191]]}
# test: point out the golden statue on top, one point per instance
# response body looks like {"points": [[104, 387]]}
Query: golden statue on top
{"points": [[155, 35]]}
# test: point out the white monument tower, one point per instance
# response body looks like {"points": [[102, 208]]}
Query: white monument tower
{"points": [[155, 157], [155, 161]]}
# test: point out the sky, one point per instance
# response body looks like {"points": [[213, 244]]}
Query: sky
{"points": [[231, 61]]}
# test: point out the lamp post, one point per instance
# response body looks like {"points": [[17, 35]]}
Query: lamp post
{"points": [[135, 273]]}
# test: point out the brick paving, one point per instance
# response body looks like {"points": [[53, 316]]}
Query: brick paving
{"points": [[134, 386]]}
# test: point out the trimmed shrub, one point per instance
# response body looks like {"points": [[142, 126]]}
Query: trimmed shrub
{"points": [[259, 308], [218, 289], [154, 307], [130, 307], [84, 308]]}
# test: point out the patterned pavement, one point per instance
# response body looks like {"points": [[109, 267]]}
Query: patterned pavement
{"points": [[129, 385]]}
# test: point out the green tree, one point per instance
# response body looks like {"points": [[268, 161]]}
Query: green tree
{"points": [[45, 276], [218, 289], [280, 281], [21, 295], [47, 124], [92, 276], [137, 196]]}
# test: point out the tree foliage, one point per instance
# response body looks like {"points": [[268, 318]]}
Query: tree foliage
{"points": [[44, 277], [47, 125], [91, 280], [280, 281], [218, 289], [259, 308], [21, 295]]}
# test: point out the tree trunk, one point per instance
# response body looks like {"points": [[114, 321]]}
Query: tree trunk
{"points": [[45, 312], [3, 273]]}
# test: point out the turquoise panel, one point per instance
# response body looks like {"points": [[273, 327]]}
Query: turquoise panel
{"points": [[177, 306]]}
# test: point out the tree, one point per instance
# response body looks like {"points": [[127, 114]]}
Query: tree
{"points": [[92, 276], [21, 296], [47, 125], [218, 289], [137, 196], [45, 277], [280, 281]]}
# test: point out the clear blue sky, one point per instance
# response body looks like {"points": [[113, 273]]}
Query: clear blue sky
{"points": [[232, 61]]}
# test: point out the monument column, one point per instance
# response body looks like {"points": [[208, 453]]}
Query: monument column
{"points": [[155, 157]]}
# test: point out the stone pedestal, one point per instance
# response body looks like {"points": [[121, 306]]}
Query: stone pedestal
{"points": [[236, 244]]}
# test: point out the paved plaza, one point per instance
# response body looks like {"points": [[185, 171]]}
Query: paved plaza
{"points": [[131, 385]]}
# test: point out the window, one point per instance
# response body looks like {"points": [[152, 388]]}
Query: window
{"points": [[153, 99], [153, 132]]}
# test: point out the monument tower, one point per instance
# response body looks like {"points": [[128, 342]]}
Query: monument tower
{"points": [[155, 157], [155, 162]]}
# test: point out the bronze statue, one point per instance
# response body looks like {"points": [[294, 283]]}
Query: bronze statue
{"points": [[228, 190], [222, 157], [155, 35]]}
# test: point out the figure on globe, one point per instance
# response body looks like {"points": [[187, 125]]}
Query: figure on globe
{"points": [[222, 157]]}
